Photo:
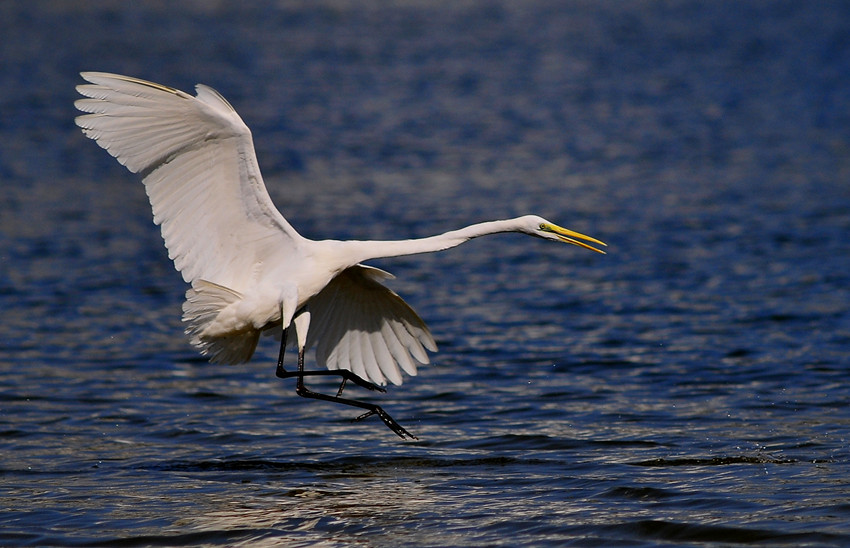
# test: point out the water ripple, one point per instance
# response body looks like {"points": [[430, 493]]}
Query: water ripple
{"points": [[687, 388]]}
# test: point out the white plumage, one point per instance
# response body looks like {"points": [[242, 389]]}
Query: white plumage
{"points": [[249, 269]]}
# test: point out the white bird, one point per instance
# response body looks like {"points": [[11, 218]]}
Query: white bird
{"points": [[250, 271]]}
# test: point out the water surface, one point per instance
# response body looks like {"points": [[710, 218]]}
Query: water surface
{"points": [[688, 388]]}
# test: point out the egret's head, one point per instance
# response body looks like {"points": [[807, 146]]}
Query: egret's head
{"points": [[540, 227]]}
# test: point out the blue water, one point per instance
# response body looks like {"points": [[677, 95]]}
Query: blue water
{"points": [[688, 388]]}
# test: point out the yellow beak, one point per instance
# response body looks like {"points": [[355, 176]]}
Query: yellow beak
{"points": [[572, 237]]}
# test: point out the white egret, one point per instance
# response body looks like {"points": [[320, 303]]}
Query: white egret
{"points": [[249, 270]]}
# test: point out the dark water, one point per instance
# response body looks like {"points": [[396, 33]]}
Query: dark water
{"points": [[689, 388]]}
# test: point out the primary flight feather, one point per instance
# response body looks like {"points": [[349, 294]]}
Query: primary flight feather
{"points": [[249, 269]]}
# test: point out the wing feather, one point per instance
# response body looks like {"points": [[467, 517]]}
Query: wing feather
{"points": [[361, 325], [200, 172], [397, 348], [370, 363], [355, 354], [384, 361]]}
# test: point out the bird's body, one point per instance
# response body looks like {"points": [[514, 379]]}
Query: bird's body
{"points": [[250, 270]]}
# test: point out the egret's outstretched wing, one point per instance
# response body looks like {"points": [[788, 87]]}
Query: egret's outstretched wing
{"points": [[360, 325], [200, 172]]}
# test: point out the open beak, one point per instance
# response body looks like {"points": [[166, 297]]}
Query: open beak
{"points": [[572, 237]]}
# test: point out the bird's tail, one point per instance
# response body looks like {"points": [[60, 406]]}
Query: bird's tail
{"points": [[204, 301]]}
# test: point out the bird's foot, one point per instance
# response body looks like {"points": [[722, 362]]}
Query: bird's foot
{"points": [[359, 381], [346, 375], [389, 421]]}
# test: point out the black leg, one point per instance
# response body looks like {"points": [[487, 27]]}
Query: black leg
{"points": [[304, 392], [280, 371], [344, 373]]}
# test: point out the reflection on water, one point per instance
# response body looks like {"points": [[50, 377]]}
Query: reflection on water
{"points": [[687, 388]]}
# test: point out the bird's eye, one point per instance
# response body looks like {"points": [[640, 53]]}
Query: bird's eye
{"points": [[542, 226]]}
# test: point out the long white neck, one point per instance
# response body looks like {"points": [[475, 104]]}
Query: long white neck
{"points": [[377, 249]]}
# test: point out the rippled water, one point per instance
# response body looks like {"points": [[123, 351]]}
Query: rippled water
{"points": [[688, 388]]}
